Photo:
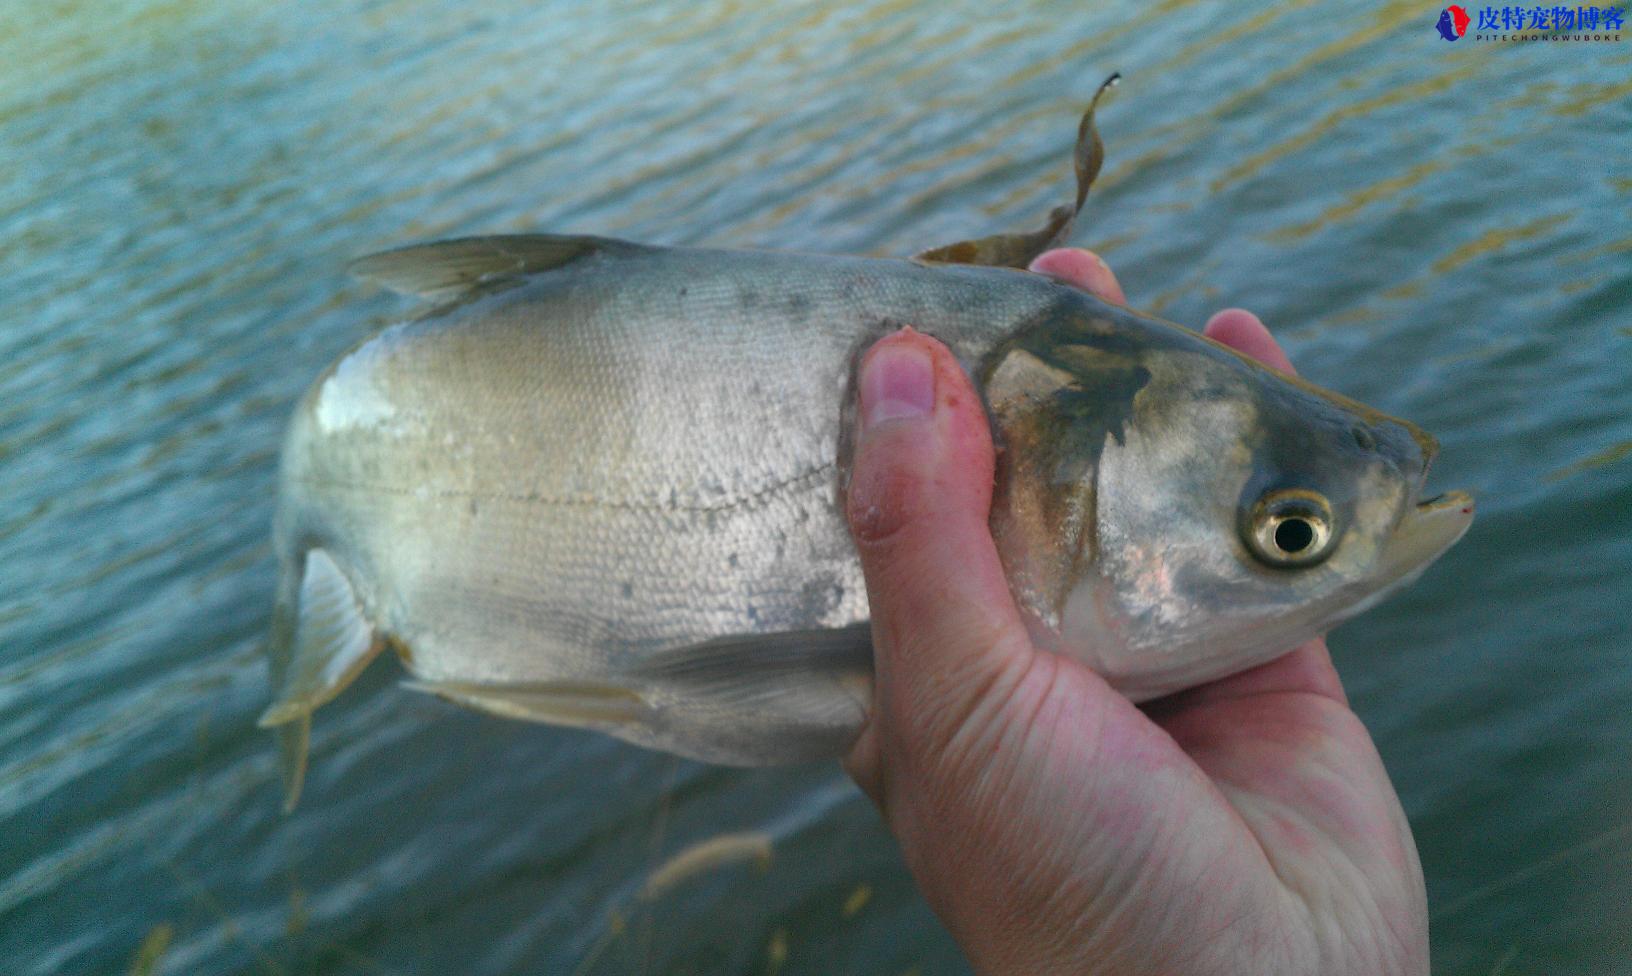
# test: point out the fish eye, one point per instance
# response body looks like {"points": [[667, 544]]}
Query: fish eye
{"points": [[1291, 527]]}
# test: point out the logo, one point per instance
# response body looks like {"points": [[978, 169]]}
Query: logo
{"points": [[1453, 22], [1582, 23]]}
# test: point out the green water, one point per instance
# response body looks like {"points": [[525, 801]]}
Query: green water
{"points": [[1442, 230]]}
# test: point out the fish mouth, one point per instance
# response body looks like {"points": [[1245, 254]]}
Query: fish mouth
{"points": [[1428, 529], [1457, 500], [1454, 499], [1450, 499]]}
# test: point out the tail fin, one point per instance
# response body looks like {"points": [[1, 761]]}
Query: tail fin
{"points": [[294, 739], [320, 642]]}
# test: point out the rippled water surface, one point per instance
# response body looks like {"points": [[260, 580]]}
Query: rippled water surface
{"points": [[1441, 230]]}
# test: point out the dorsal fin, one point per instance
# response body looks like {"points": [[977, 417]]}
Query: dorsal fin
{"points": [[447, 269]]}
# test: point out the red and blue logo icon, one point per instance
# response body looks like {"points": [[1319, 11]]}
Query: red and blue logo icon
{"points": [[1453, 22]]}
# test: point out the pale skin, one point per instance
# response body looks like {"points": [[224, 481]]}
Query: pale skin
{"points": [[1246, 826]]}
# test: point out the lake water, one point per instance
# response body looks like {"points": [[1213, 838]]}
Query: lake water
{"points": [[1441, 229]]}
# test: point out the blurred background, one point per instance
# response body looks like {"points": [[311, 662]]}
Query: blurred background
{"points": [[1443, 230]]}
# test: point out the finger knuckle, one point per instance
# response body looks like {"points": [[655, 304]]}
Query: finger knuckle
{"points": [[883, 501]]}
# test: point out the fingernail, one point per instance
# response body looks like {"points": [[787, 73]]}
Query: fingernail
{"points": [[897, 382]]}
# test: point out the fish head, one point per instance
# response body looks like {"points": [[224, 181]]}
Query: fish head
{"points": [[1171, 512]]}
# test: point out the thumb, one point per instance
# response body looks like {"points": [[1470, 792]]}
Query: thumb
{"points": [[946, 635]]}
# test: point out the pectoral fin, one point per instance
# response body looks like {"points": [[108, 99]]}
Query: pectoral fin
{"points": [[767, 699], [754, 669], [1019, 250]]}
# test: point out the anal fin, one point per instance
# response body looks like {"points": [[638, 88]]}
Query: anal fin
{"points": [[580, 704], [744, 700]]}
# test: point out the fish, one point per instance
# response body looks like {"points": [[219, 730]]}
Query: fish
{"points": [[600, 484]]}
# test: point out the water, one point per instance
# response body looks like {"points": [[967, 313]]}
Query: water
{"points": [[1441, 230]]}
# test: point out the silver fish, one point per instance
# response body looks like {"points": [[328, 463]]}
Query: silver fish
{"points": [[600, 484]]}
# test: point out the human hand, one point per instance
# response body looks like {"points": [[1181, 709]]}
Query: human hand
{"points": [[1244, 826]]}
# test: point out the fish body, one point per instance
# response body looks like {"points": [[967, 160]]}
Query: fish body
{"points": [[601, 484], [607, 491]]}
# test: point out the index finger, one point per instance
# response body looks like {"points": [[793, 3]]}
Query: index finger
{"points": [[1083, 268], [1245, 333]]}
